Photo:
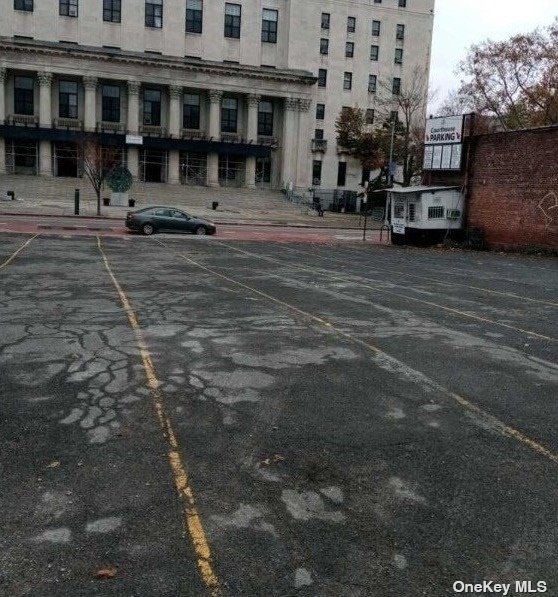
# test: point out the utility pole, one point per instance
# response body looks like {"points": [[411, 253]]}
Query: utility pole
{"points": [[390, 177]]}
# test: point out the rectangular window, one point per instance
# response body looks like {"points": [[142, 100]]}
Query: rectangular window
{"points": [[394, 116], [320, 111], [374, 53], [396, 87], [318, 134], [399, 56], [68, 8], [370, 116], [347, 81], [154, 13], [111, 103], [24, 95], [372, 83], [412, 212], [325, 20], [453, 214], [341, 174], [26, 5], [377, 1], [435, 213], [322, 77], [269, 26], [229, 115], [68, 99], [112, 11], [402, 3], [400, 32], [265, 118], [191, 111], [351, 24], [152, 107], [349, 49], [316, 173], [194, 16], [376, 28], [324, 46], [233, 16]]}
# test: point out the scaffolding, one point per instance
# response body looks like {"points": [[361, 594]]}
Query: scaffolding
{"points": [[232, 170], [193, 168], [153, 165], [22, 157]]}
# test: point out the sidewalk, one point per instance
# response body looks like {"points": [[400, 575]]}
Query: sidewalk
{"points": [[55, 196]]}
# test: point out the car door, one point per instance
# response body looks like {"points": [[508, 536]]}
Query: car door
{"points": [[163, 219], [181, 221]]}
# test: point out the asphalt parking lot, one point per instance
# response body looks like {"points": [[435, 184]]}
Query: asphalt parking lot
{"points": [[204, 417]]}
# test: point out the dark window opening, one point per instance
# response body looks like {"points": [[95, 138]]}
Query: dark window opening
{"points": [[112, 11], [269, 26], [191, 111], [316, 173], [68, 8], [342, 174], [111, 103], [229, 115], [233, 16], [24, 96], [154, 13], [68, 99], [152, 107], [265, 119], [194, 16]]}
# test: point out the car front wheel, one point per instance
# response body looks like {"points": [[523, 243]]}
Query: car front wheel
{"points": [[201, 230], [148, 229]]}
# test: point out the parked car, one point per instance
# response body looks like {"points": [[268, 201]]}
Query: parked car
{"points": [[167, 219]]}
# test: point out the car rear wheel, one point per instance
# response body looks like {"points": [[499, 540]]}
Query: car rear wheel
{"points": [[201, 230], [148, 229]]}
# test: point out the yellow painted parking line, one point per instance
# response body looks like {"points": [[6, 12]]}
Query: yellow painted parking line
{"points": [[192, 519], [487, 419], [355, 279], [17, 252]]}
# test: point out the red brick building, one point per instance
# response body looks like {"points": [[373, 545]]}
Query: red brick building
{"points": [[511, 185]]}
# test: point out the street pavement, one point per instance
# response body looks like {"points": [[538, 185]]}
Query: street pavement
{"points": [[206, 416]]}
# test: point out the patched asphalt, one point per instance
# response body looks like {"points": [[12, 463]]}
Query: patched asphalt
{"points": [[355, 421]]}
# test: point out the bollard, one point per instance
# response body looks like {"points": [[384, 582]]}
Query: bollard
{"points": [[76, 202]]}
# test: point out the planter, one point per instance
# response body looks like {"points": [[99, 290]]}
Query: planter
{"points": [[106, 201]]}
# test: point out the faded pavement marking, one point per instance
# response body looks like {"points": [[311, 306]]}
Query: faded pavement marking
{"points": [[16, 252], [192, 518], [480, 417]]}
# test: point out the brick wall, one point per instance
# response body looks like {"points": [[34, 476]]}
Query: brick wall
{"points": [[513, 187]]}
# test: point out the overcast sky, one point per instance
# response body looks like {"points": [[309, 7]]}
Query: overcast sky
{"points": [[460, 23]]}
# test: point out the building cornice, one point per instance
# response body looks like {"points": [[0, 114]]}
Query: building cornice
{"points": [[187, 65]]}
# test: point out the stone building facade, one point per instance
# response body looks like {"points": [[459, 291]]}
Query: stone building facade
{"points": [[241, 93]]}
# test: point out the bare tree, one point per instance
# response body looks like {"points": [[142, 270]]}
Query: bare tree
{"points": [[98, 162], [514, 81], [404, 108]]}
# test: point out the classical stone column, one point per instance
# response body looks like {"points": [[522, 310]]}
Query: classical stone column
{"points": [[90, 116], [133, 107], [45, 121], [175, 93], [302, 161], [215, 97], [3, 74], [252, 136], [3, 77], [133, 126], [174, 166], [288, 142]]}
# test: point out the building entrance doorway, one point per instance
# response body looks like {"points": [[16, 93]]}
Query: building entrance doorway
{"points": [[232, 170], [153, 165], [263, 173], [66, 160]]}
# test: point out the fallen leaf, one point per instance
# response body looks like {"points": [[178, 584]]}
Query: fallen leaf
{"points": [[54, 464], [109, 572]]}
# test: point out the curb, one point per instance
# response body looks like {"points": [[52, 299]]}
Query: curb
{"points": [[258, 223]]}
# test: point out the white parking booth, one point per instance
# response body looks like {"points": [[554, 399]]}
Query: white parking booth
{"points": [[424, 214]]}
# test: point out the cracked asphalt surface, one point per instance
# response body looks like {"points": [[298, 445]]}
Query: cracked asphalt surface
{"points": [[354, 421]]}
